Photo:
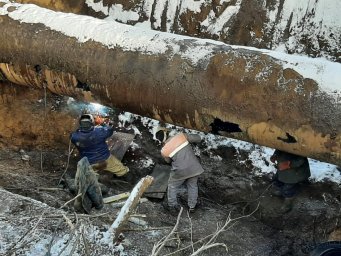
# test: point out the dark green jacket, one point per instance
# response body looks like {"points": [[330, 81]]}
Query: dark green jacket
{"points": [[299, 167]]}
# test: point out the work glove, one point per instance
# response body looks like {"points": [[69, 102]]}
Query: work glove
{"points": [[284, 165], [99, 120]]}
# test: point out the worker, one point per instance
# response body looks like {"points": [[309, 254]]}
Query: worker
{"points": [[90, 141], [186, 167], [291, 171]]}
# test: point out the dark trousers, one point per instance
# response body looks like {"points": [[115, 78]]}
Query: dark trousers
{"points": [[287, 189]]}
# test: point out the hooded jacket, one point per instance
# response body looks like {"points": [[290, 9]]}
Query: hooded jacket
{"points": [[298, 170]]}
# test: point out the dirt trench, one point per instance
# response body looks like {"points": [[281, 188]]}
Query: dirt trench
{"points": [[228, 187]]}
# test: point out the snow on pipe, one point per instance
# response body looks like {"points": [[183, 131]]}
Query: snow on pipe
{"points": [[277, 100]]}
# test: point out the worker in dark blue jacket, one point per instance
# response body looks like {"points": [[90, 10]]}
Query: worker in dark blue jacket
{"points": [[90, 141]]}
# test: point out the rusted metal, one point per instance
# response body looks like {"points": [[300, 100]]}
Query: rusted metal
{"points": [[239, 93]]}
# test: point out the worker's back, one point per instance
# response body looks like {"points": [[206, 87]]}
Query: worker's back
{"points": [[92, 144]]}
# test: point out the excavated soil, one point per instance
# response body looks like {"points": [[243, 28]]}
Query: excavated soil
{"points": [[228, 188]]}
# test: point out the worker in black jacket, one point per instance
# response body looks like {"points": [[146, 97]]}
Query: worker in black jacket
{"points": [[291, 171]]}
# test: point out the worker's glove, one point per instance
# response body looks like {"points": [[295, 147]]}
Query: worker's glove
{"points": [[99, 120], [284, 165]]}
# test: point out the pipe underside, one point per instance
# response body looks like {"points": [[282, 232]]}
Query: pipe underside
{"points": [[239, 93]]}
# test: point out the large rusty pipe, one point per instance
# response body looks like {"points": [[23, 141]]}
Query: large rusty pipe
{"points": [[199, 84]]}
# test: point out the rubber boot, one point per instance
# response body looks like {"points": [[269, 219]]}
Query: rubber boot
{"points": [[287, 205], [95, 195]]}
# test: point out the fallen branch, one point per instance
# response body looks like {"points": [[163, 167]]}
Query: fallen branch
{"points": [[138, 221], [139, 215], [56, 216], [67, 163], [213, 236], [85, 242], [120, 204], [127, 209], [145, 229], [73, 199], [159, 245], [211, 243], [69, 222], [115, 198], [50, 189], [191, 227]]}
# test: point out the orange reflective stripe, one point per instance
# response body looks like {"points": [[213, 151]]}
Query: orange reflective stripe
{"points": [[174, 145]]}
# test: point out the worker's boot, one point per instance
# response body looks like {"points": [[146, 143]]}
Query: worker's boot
{"points": [[287, 205], [173, 210], [95, 195]]}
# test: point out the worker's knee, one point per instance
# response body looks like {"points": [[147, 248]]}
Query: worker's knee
{"points": [[115, 166], [121, 171]]}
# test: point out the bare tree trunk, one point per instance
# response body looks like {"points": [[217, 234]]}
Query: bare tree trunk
{"points": [[198, 84]]}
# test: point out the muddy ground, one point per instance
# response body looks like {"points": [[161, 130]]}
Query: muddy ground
{"points": [[34, 155], [227, 188]]}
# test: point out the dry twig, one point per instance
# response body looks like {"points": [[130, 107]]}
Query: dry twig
{"points": [[73, 199], [68, 162], [211, 242], [191, 228], [159, 245]]}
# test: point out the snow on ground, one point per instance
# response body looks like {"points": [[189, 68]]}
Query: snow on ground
{"points": [[317, 22], [258, 155], [321, 21], [216, 25]]}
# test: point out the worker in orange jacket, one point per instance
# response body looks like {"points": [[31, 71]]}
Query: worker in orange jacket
{"points": [[186, 167]]}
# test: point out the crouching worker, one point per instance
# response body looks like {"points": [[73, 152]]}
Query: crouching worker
{"points": [[185, 167], [90, 140], [291, 171], [89, 193]]}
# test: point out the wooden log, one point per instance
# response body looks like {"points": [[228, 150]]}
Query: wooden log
{"points": [[123, 216], [248, 94], [138, 221], [120, 204], [110, 199]]}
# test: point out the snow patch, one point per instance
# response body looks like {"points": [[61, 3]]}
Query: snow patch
{"points": [[146, 163]]}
